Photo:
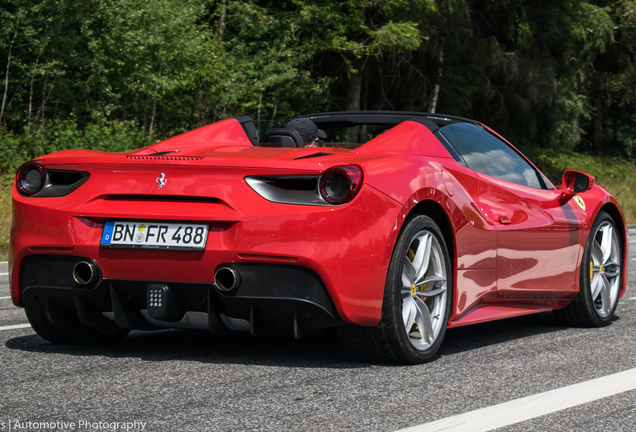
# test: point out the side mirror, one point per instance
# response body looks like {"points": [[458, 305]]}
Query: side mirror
{"points": [[575, 182]]}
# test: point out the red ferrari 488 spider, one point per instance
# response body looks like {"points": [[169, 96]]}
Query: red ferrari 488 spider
{"points": [[399, 226]]}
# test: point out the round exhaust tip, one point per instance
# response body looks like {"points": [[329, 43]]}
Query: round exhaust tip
{"points": [[227, 279], [85, 273]]}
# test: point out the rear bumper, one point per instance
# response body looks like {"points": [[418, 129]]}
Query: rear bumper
{"points": [[348, 247], [271, 298]]}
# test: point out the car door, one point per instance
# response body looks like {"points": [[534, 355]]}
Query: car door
{"points": [[537, 239], [537, 229]]}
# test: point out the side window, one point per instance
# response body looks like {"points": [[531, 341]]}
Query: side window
{"points": [[487, 154]]}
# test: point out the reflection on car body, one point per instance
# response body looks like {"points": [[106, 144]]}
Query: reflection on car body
{"points": [[399, 226]]}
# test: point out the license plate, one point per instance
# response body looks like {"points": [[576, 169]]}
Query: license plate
{"points": [[155, 235]]}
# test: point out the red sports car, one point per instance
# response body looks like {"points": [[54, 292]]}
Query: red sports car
{"points": [[396, 227]]}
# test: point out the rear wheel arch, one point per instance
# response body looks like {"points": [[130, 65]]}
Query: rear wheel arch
{"points": [[435, 211], [417, 300]]}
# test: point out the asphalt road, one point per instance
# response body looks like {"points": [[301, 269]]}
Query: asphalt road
{"points": [[192, 381]]}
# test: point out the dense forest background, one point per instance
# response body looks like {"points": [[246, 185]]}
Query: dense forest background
{"points": [[118, 74], [555, 77]]}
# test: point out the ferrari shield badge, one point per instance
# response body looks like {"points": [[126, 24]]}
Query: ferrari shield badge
{"points": [[580, 202], [161, 181]]}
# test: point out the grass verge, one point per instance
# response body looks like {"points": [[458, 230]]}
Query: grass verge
{"points": [[5, 220], [616, 175]]}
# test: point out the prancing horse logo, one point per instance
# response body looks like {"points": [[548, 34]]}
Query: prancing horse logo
{"points": [[161, 181]]}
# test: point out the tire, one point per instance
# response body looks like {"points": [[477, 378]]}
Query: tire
{"points": [[417, 300], [600, 279], [76, 334]]}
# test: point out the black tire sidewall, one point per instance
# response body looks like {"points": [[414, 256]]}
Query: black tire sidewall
{"points": [[77, 334], [392, 306], [585, 294]]}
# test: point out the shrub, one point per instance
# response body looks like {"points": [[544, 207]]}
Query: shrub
{"points": [[52, 136]]}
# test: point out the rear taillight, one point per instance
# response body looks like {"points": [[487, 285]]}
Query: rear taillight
{"points": [[339, 185], [31, 178]]}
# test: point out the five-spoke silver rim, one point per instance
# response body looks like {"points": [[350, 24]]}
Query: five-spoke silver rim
{"points": [[605, 269], [424, 290]]}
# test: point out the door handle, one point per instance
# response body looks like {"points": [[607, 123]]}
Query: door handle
{"points": [[503, 219]]}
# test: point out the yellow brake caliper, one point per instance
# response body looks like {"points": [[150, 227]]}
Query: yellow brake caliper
{"points": [[411, 255]]}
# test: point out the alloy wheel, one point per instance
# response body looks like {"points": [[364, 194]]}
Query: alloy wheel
{"points": [[424, 290], [605, 269]]}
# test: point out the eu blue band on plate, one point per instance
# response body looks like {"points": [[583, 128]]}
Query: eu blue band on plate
{"points": [[107, 235]]}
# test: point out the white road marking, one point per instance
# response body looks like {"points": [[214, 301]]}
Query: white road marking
{"points": [[519, 410], [633, 298], [4, 274], [8, 297], [15, 326]]}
